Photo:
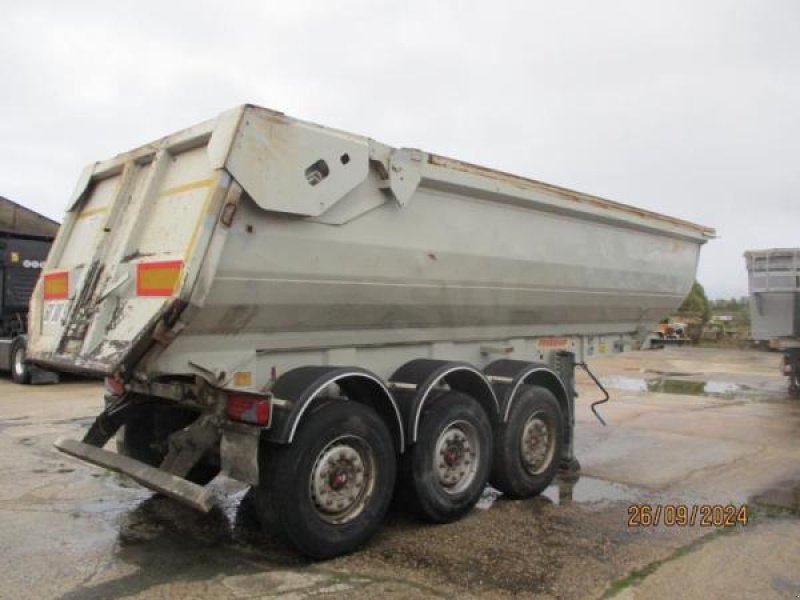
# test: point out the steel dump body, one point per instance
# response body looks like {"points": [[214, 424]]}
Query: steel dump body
{"points": [[282, 243]]}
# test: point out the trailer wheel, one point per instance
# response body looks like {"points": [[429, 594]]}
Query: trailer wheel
{"points": [[445, 472], [144, 438], [528, 446], [328, 491], [20, 370]]}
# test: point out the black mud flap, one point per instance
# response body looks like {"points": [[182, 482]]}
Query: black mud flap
{"points": [[108, 422], [41, 376]]}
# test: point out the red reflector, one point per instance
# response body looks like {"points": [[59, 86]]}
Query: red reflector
{"points": [[114, 386], [56, 286], [249, 408], [158, 278]]}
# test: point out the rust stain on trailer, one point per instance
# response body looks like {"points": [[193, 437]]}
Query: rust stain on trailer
{"points": [[596, 201], [106, 354], [121, 310]]}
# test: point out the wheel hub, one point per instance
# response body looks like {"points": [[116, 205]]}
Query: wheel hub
{"points": [[338, 480], [536, 444], [453, 455], [341, 480], [456, 457]]}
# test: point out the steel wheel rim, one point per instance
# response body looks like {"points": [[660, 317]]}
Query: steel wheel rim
{"points": [[19, 362], [537, 443], [342, 479], [456, 456]]}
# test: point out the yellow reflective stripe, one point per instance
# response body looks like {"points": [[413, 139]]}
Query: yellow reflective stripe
{"points": [[187, 187], [90, 213], [201, 217]]}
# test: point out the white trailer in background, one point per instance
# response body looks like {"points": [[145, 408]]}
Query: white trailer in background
{"points": [[319, 315], [774, 283]]}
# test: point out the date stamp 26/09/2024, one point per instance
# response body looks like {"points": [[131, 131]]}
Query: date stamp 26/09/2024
{"points": [[688, 515]]}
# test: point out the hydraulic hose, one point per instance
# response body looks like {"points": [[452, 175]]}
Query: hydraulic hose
{"points": [[585, 367]]}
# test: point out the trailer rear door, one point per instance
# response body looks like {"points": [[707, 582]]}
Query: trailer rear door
{"points": [[131, 244]]}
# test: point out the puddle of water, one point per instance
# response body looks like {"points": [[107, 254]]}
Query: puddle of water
{"points": [[588, 490], [627, 384], [725, 387], [688, 387], [677, 386], [669, 373], [110, 507], [568, 489]]}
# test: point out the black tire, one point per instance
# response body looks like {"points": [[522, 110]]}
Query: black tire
{"points": [[327, 492], [144, 438], [20, 370], [443, 492], [535, 409]]}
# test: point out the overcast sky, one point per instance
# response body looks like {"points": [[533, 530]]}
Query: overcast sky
{"points": [[687, 108]]}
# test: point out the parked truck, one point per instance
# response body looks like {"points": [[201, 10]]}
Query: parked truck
{"points": [[332, 320], [774, 283], [25, 238]]}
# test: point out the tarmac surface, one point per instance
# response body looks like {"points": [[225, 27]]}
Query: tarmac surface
{"points": [[686, 426]]}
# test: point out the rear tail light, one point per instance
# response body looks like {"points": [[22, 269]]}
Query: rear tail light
{"points": [[56, 285], [249, 408], [158, 278], [114, 386]]}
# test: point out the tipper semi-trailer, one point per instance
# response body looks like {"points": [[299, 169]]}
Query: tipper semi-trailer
{"points": [[333, 321]]}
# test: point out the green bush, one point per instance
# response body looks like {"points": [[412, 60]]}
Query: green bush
{"points": [[697, 302]]}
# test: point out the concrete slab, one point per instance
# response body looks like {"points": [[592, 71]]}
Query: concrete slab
{"points": [[762, 563]]}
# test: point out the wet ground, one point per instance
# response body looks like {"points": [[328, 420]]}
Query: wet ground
{"points": [[723, 434]]}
